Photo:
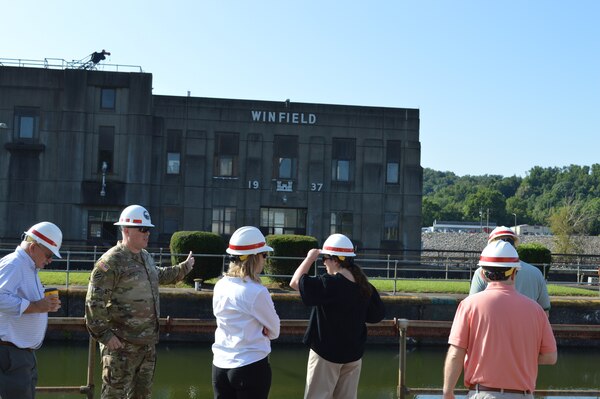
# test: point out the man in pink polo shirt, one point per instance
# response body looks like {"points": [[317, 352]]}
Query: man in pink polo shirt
{"points": [[499, 335]]}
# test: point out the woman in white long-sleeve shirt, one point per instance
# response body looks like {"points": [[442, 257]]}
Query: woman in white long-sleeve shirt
{"points": [[246, 321]]}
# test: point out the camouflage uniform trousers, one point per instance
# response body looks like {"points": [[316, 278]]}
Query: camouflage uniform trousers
{"points": [[128, 372]]}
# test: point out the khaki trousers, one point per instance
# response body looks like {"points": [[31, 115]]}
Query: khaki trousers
{"points": [[327, 380]]}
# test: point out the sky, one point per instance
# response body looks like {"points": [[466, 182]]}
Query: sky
{"points": [[502, 86]]}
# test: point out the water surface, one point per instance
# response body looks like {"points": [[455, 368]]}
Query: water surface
{"points": [[184, 370]]}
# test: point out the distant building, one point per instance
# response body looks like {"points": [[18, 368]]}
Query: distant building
{"points": [[79, 145], [527, 230], [460, 227]]}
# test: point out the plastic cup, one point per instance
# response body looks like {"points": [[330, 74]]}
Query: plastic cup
{"points": [[51, 291]]}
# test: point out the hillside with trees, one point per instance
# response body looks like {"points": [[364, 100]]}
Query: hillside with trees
{"points": [[565, 198]]}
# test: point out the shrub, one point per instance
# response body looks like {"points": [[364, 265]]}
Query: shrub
{"points": [[199, 242], [536, 254], [288, 245]]}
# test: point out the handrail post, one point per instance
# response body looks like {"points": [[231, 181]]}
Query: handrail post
{"points": [[68, 268], [90, 368], [402, 325], [395, 276], [388, 265]]}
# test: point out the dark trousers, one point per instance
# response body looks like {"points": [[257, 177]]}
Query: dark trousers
{"points": [[248, 382], [18, 373]]}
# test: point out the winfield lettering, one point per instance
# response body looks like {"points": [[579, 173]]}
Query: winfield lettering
{"points": [[298, 118]]}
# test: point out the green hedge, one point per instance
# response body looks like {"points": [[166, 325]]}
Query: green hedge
{"points": [[199, 242], [288, 245], [536, 254]]}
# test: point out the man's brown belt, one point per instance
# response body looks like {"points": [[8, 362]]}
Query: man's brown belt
{"points": [[483, 388], [6, 343]]}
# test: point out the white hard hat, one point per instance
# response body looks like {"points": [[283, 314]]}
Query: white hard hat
{"points": [[503, 231], [499, 254], [46, 234], [338, 245], [134, 216], [247, 240]]}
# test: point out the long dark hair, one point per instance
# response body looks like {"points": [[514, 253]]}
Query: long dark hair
{"points": [[359, 276]]}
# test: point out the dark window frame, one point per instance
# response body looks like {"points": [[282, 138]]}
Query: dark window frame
{"points": [[227, 146], [285, 149], [341, 222], [223, 220], [268, 224], [20, 114], [393, 157], [106, 148], [343, 158], [391, 226], [108, 101]]}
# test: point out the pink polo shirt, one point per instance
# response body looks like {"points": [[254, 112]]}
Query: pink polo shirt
{"points": [[503, 333]]}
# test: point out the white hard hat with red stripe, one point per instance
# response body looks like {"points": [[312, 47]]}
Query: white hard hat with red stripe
{"points": [[247, 240], [499, 254], [338, 245], [134, 216], [503, 231], [46, 234]]}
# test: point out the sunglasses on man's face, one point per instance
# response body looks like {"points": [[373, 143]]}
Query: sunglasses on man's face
{"points": [[144, 229], [326, 257], [509, 240]]}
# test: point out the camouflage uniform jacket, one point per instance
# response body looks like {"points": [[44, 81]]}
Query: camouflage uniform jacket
{"points": [[122, 297]]}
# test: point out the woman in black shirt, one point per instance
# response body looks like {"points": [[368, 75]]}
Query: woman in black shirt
{"points": [[342, 300]]}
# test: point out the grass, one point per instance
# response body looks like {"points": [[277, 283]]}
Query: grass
{"points": [[51, 278]]}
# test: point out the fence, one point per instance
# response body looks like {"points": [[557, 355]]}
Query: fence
{"points": [[401, 328], [432, 264]]}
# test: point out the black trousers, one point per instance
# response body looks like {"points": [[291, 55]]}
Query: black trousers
{"points": [[248, 382], [18, 373]]}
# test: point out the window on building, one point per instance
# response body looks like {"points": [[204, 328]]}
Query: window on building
{"points": [[101, 226], [223, 220], [391, 227], [106, 148], [173, 162], [226, 154], [26, 123], [283, 220], [108, 98], [341, 222], [393, 162], [174, 138], [343, 155], [285, 157]]}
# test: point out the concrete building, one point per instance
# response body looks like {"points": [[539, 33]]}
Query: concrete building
{"points": [[79, 145]]}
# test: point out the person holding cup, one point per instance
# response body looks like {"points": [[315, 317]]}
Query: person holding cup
{"points": [[24, 309]]}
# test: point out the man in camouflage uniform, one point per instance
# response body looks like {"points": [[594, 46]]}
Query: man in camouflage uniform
{"points": [[122, 308]]}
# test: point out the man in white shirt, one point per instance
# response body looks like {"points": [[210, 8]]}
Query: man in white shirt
{"points": [[24, 309]]}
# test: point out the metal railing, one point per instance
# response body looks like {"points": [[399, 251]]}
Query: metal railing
{"points": [[458, 266], [59, 63], [401, 328]]}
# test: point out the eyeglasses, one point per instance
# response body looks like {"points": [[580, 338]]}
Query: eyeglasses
{"points": [[509, 240], [326, 257], [264, 254], [144, 229], [46, 254]]}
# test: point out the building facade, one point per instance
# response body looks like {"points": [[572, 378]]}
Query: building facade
{"points": [[80, 145]]}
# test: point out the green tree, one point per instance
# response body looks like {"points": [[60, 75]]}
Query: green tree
{"points": [[567, 222], [430, 211], [483, 200]]}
